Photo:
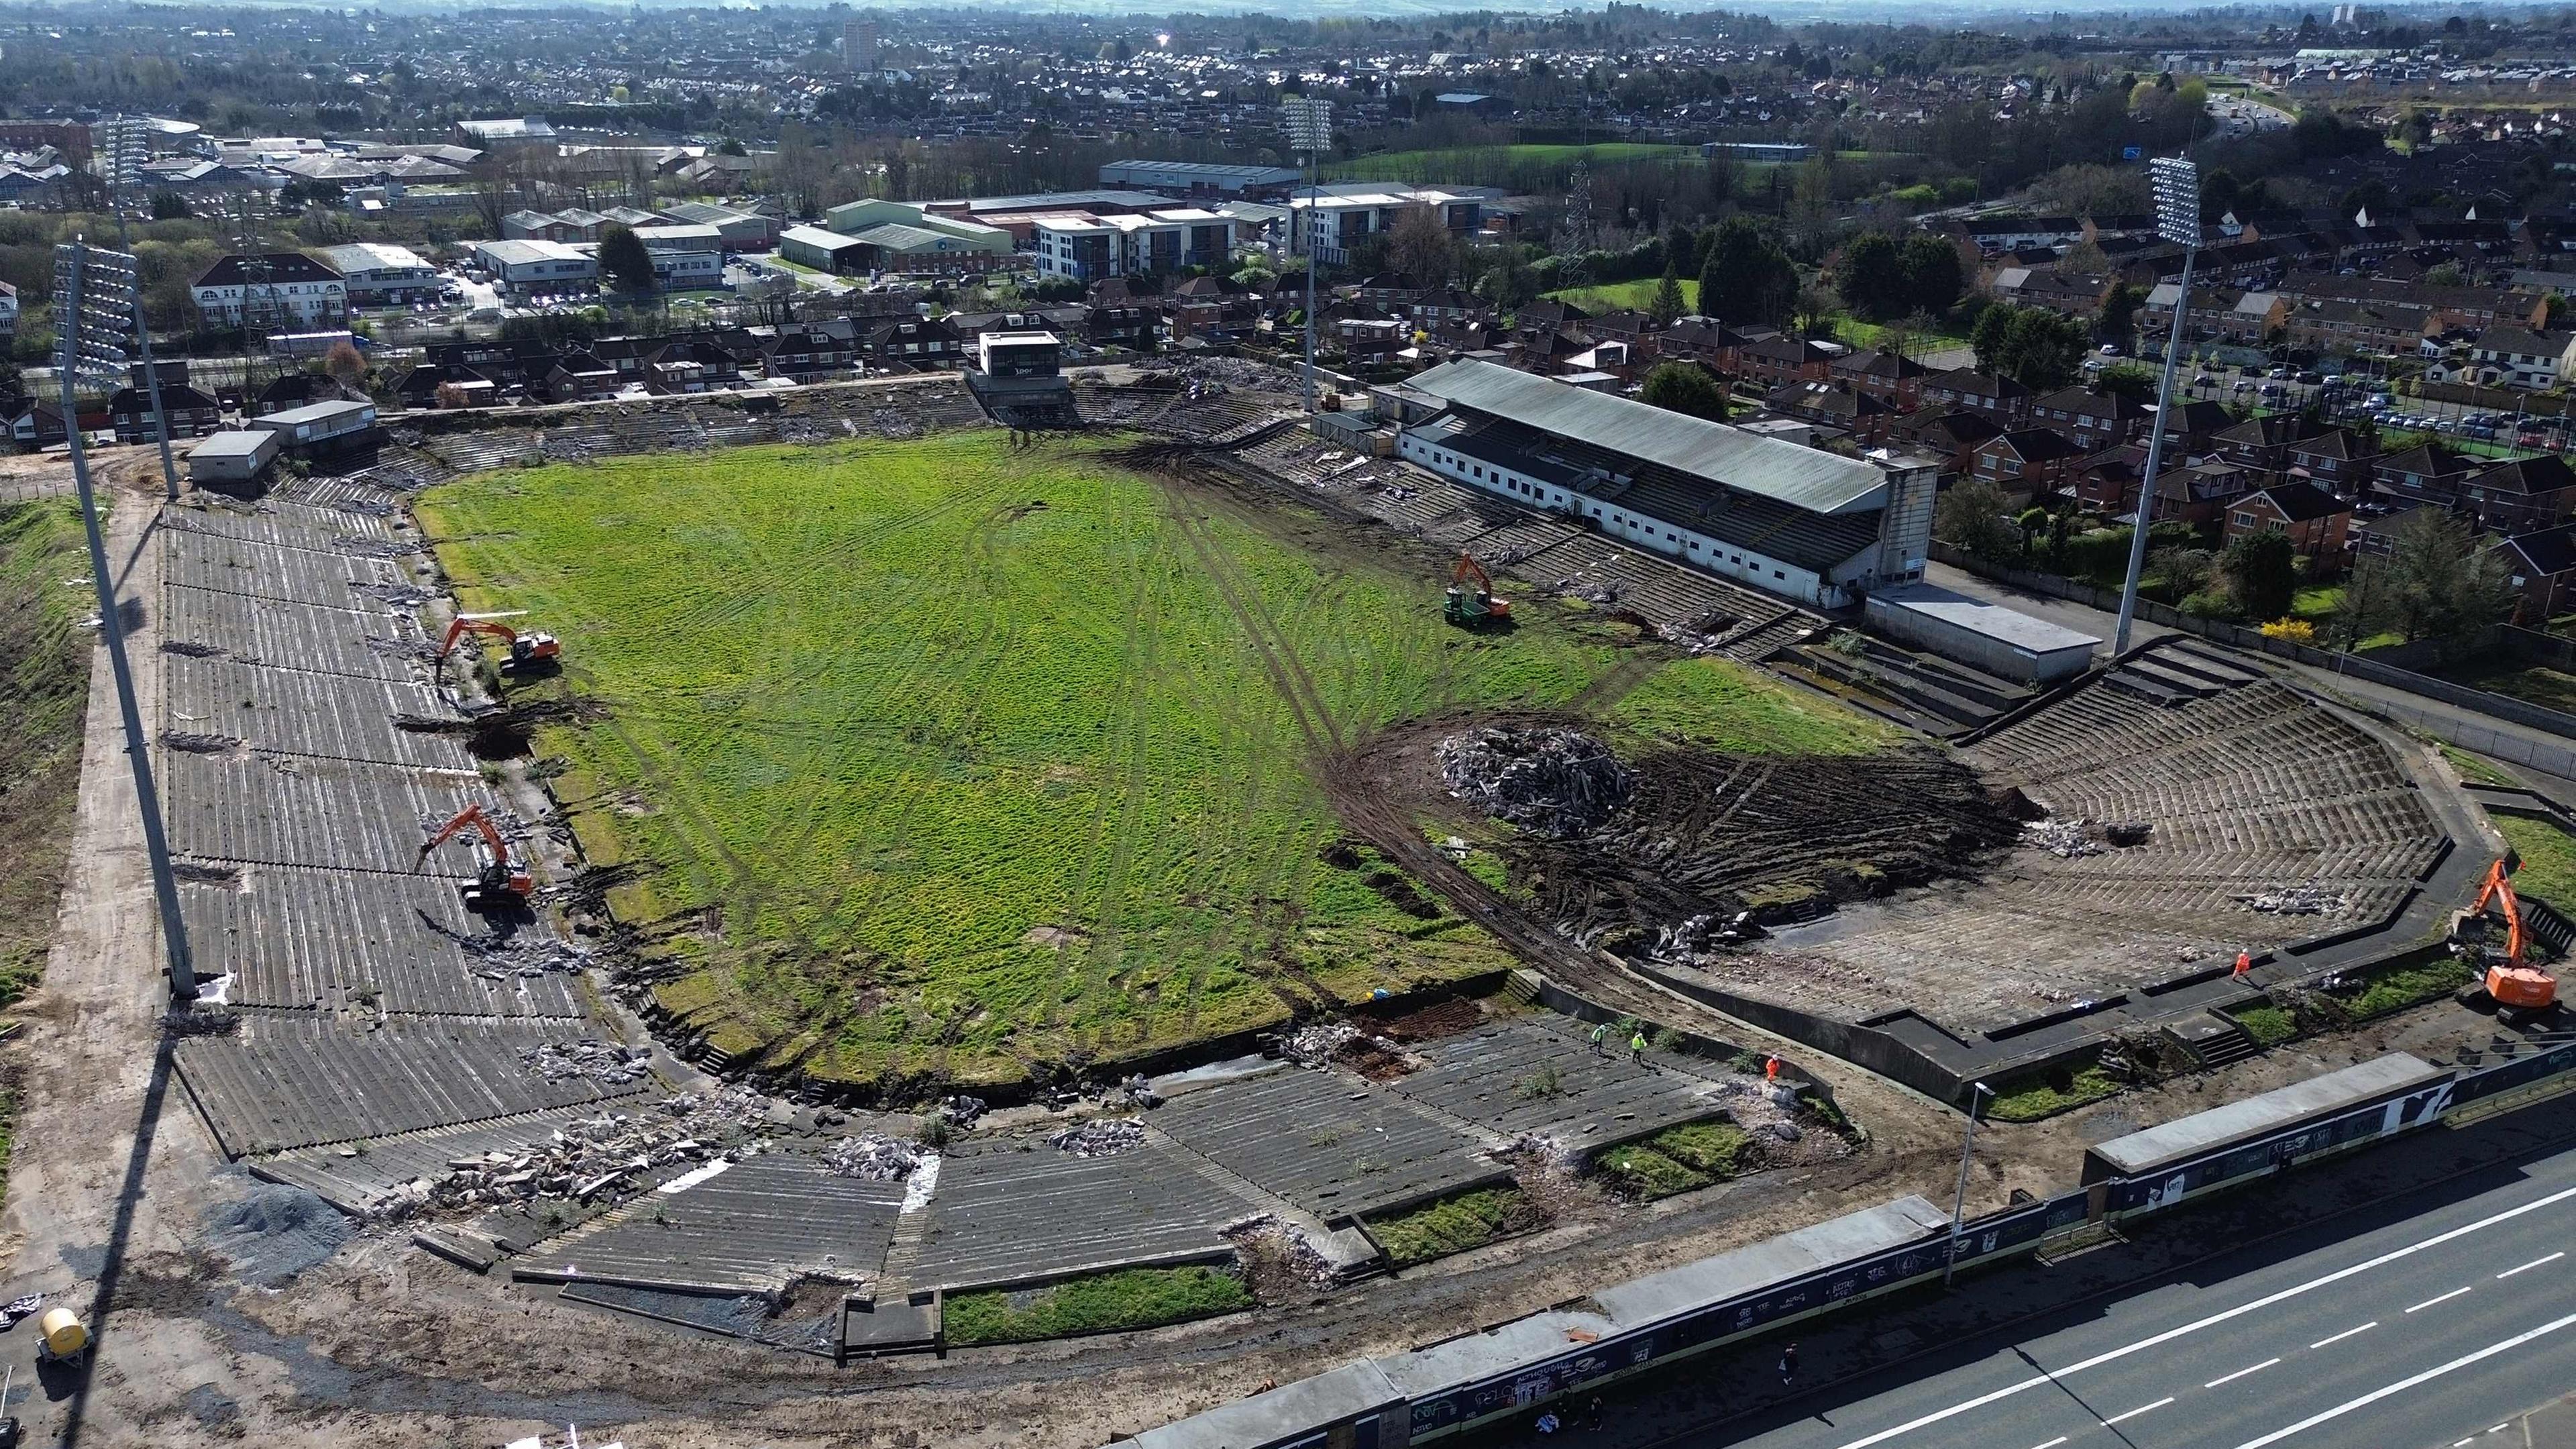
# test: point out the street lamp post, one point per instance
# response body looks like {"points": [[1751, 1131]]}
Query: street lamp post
{"points": [[2177, 189], [1977, 1094], [1309, 123], [96, 299]]}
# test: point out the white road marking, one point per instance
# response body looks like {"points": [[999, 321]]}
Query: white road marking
{"points": [[2240, 1373], [2402, 1385], [2133, 1413], [2534, 1263], [2445, 1298], [2347, 1333], [2157, 1340], [2060, 1439]]}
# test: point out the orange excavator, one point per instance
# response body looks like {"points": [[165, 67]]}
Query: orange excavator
{"points": [[1472, 603], [2516, 987], [527, 652], [499, 883]]}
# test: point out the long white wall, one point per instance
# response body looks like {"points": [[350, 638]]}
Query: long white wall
{"points": [[1699, 550]]}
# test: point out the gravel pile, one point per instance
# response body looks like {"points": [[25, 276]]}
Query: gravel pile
{"points": [[275, 1233]]}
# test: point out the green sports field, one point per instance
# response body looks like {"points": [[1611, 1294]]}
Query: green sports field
{"points": [[940, 760]]}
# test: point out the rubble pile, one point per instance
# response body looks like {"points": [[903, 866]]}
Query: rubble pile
{"points": [[871, 1159], [522, 954], [1574, 586], [1313, 1044], [1266, 1241], [2070, 839], [2297, 900], [609, 1063], [1100, 1137], [962, 1112], [1553, 781], [2065, 839], [590, 1155]]}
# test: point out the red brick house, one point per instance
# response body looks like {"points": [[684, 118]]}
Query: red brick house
{"points": [[2316, 521], [2523, 495], [2028, 464], [2095, 420], [1996, 397], [2542, 565]]}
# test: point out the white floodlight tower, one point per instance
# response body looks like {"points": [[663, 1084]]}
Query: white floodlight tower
{"points": [[1309, 124], [2177, 189], [96, 302]]}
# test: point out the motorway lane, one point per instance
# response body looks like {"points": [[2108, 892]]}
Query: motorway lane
{"points": [[2412, 1336]]}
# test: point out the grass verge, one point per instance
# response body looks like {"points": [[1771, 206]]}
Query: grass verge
{"points": [[1455, 1224], [44, 701], [2399, 987], [2268, 1025], [1632, 296], [2051, 1093], [1676, 1160], [1117, 1302], [2548, 856], [1719, 704], [2475, 771]]}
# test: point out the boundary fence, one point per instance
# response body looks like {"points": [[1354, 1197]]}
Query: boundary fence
{"points": [[1366, 1406]]}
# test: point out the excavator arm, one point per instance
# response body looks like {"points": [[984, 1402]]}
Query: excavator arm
{"points": [[471, 815], [461, 626], [2513, 982], [1468, 569]]}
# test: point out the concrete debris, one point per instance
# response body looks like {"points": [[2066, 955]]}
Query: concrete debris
{"points": [[1553, 781], [524, 954], [872, 1159], [401, 596], [1781, 1131], [1100, 1137], [185, 1021], [1542, 1150], [1313, 1044], [1576, 587], [962, 1112], [364, 547], [1698, 936], [1265, 1243], [2065, 839], [590, 1155], [2298, 900], [1139, 1092], [275, 1233], [186, 648], [606, 1062], [199, 744], [2071, 839], [17, 1308], [420, 649]]}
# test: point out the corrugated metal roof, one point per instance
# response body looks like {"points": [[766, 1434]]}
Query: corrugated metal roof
{"points": [[1803, 477]]}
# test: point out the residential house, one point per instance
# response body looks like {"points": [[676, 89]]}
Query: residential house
{"points": [[1122, 317], [296, 390], [1997, 397], [2343, 328], [8, 312], [2095, 420], [1888, 376], [2522, 495], [576, 377], [691, 366], [2262, 443], [39, 424], [2426, 473], [1703, 340], [1779, 361], [2317, 522], [1951, 436], [1835, 405], [192, 413], [2198, 493], [2068, 295], [2336, 460], [807, 354], [920, 343], [2518, 357], [2192, 423], [2028, 464], [2541, 564]]}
